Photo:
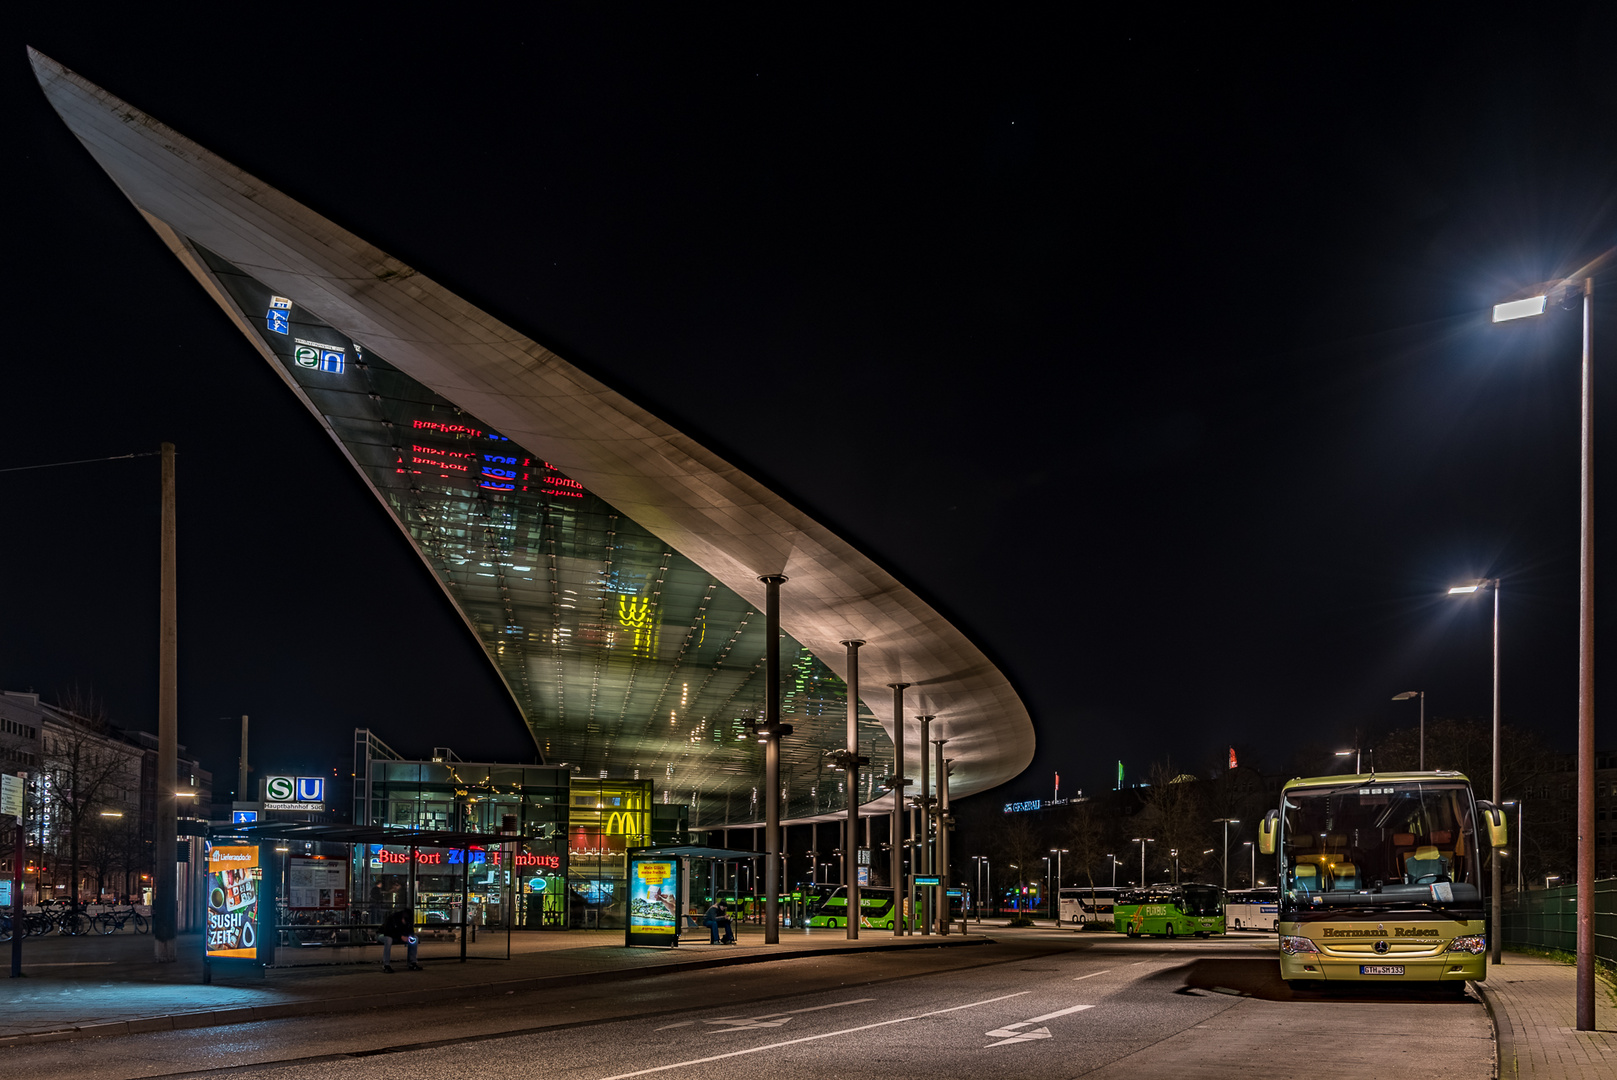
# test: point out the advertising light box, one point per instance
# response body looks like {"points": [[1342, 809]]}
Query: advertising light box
{"points": [[236, 896], [653, 902]]}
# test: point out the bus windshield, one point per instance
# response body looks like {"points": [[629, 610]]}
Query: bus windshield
{"points": [[1373, 844]]}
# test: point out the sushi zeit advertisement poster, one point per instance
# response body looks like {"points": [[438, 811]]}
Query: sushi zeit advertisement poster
{"points": [[234, 880]]}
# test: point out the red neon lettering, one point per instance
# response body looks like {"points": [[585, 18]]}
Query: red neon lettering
{"points": [[447, 429]]}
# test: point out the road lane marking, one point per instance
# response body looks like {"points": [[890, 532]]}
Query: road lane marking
{"points": [[775, 1020], [1013, 1033], [812, 1038], [1091, 975]]}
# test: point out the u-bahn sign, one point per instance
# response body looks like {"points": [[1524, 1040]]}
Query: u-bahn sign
{"points": [[294, 793]]}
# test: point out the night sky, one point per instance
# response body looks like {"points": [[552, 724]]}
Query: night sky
{"points": [[1156, 358]]}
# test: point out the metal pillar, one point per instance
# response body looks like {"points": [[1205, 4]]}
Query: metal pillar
{"points": [[941, 862], [1586, 677], [926, 827], [896, 839], [164, 898], [1496, 928], [772, 585], [850, 846]]}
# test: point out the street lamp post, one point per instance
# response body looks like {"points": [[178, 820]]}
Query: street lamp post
{"points": [[1058, 852], [1252, 878], [1562, 292], [1521, 842], [1142, 841], [1495, 905], [1405, 696], [1225, 857], [1112, 857]]}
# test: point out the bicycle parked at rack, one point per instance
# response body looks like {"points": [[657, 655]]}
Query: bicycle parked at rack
{"points": [[64, 918], [112, 920]]}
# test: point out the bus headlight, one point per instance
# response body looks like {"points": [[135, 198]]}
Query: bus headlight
{"points": [[1476, 944], [1294, 946]]}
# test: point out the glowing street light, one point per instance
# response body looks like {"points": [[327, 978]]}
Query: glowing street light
{"points": [[1496, 905], [1561, 294]]}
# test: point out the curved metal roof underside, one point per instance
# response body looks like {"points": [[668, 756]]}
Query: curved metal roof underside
{"points": [[614, 591]]}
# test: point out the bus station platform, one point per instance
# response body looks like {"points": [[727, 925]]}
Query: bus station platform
{"points": [[1531, 1001], [84, 987]]}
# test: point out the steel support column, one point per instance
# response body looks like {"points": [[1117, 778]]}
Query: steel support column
{"points": [[850, 846], [772, 584], [896, 839]]}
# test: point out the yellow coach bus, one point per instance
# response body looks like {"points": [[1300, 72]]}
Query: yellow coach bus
{"points": [[1381, 877]]}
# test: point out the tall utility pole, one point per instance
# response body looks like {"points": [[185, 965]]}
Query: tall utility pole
{"points": [[242, 766], [896, 831], [164, 886], [772, 732], [850, 846]]}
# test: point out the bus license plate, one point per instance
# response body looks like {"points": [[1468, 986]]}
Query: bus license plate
{"points": [[1381, 969]]}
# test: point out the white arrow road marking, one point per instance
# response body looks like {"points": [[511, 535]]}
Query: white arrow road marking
{"points": [[1013, 1033]]}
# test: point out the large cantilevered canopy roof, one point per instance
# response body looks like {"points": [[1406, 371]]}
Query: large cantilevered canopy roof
{"points": [[412, 349]]}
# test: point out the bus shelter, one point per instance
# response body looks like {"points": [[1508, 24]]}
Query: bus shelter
{"points": [[333, 885], [709, 874]]}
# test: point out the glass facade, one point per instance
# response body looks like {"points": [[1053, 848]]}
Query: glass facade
{"points": [[621, 654], [527, 801]]}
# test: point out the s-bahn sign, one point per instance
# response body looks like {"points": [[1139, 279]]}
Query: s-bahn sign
{"points": [[294, 793]]}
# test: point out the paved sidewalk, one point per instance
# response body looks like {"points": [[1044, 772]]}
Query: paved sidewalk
{"points": [[86, 987], [1532, 1001]]}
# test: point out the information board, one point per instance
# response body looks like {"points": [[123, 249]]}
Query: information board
{"points": [[235, 881], [316, 884], [653, 902]]}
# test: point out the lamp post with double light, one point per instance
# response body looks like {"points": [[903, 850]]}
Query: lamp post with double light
{"points": [[1405, 696], [1142, 841], [1225, 857], [1495, 905], [1058, 852], [1562, 294]]}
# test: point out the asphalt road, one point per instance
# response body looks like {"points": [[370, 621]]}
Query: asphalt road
{"points": [[1033, 1005]]}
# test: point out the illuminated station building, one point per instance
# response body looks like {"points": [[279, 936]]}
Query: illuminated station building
{"points": [[608, 564]]}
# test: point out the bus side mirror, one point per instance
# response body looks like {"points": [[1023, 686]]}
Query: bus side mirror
{"points": [[1494, 819], [1267, 828]]}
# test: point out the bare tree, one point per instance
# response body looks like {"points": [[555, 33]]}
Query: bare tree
{"points": [[86, 768], [1173, 804], [1086, 839], [1019, 847]]}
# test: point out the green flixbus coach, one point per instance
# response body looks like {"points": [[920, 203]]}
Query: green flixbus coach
{"points": [[1170, 911], [1381, 878], [875, 907]]}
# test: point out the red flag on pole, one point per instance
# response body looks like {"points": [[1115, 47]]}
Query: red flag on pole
{"points": [[1232, 757]]}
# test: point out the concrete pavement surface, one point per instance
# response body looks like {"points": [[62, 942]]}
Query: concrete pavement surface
{"points": [[1534, 1009], [1032, 1004]]}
